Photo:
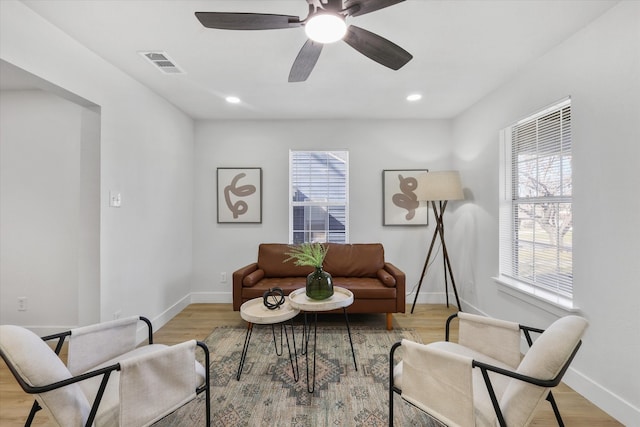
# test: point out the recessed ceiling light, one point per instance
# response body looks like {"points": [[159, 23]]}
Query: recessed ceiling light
{"points": [[414, 97], [232, 99]]}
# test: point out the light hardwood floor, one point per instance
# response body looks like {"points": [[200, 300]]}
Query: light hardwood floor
{"points": [[197, 320]]}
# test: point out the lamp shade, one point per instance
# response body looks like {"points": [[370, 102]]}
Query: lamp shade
{"points": [[439, 185]]}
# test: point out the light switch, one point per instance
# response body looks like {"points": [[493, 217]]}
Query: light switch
{"points": [[115, 199]]}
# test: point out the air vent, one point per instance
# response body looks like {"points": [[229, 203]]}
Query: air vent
{"points": [[162, 62]]}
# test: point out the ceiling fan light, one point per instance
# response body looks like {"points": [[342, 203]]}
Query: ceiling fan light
{"points": [[326, 28]]}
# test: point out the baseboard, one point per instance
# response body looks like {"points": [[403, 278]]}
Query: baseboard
{"points": [[430, 298], [160, 320], [440, 298], [192, 298], [604, 399], [211, 298]]}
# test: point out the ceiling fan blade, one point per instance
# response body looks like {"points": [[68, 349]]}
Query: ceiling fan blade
{"points": [[377, 48], [305, 61], [247, 21], [360, 7]]}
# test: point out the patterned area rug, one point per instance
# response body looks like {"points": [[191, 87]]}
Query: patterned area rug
{"points": [[268, 395]]}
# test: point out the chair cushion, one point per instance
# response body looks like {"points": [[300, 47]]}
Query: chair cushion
{"points": [[39, 365], [544, 360]]}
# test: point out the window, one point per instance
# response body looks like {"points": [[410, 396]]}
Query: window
{"points": [[319, 196], [536, 219]]}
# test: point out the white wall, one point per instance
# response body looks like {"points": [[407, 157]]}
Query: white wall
{"points": [[146, 154], [374, 145], [599, 67], [41, 209]]}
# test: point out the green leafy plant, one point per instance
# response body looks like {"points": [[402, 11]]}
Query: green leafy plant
{"points": [[307, 254]]}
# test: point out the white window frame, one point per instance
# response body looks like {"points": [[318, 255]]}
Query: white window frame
{"points": [[319, 203], [508, 281]]}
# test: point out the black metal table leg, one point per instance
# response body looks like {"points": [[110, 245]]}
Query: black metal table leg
{"points": [[247, 339], [275, 343], [306, 349], [295, 371], [346, 319]]}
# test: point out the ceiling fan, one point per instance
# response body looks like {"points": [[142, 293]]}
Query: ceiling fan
{"points": [[335, 12]]}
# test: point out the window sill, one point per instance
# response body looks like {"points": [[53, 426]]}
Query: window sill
{"points": [[547, 302]]}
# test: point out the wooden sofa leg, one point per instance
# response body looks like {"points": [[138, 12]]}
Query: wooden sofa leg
{"points": [[389, 322]]}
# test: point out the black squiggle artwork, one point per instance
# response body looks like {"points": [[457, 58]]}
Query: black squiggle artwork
{"points": [[407, 199], [240, 207]]}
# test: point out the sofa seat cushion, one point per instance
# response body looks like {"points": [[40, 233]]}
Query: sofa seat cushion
{"points": [[365, 288], [362, 288]]}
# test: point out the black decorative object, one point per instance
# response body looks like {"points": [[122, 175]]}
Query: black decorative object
{"points": [[273, 298]]}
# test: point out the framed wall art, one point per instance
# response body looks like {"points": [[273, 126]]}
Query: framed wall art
{"points": [[239, 195], [400, 203]]}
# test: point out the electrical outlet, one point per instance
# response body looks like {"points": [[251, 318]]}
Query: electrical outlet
{"points": [[22, 303], [223, 277]]}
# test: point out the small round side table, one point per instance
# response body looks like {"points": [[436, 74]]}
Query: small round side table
{"points": [[341, 298], [255, 312]]}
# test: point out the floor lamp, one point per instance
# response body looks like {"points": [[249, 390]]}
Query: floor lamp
{"points": [[440, 187]]}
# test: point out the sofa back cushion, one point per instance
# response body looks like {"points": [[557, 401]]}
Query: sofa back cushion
{"points": [[354, 260], [271, 258], [342, 260]]}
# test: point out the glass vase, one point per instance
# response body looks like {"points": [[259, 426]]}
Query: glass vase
{"points": [[319, 284]]}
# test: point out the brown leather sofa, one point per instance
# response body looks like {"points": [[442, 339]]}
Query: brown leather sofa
{"points": [[377, 286]]}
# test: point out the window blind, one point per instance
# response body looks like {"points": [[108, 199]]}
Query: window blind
{"points": [[536, 221], [319, 196]]}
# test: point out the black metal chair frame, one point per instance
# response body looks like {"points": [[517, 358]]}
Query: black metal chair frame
{"points": [[105, 372], [485, 368]]}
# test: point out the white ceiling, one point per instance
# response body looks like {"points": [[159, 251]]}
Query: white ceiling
{"points": [[462, 51]]}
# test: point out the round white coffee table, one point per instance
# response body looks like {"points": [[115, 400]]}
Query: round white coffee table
{"points": [[341, 298], [255, 312]]}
